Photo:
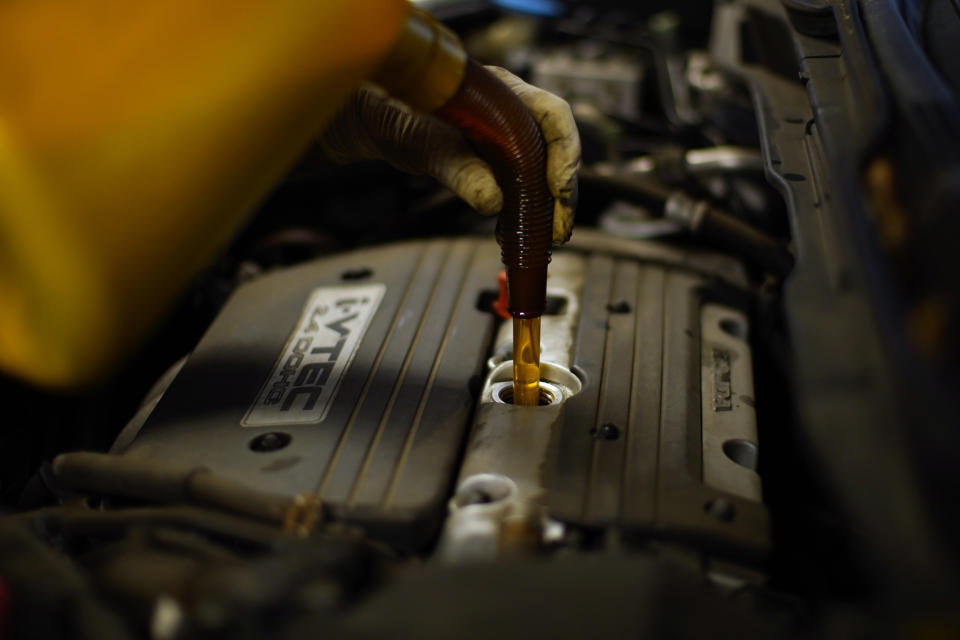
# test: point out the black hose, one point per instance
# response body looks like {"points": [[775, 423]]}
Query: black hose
{"points": [[495, 120], [718, 227], [646, 193], [49, 596], [77, 522], [733, 234], [128, 477]]}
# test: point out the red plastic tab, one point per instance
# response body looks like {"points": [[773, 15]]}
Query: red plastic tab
{"points": [[501, 304]]}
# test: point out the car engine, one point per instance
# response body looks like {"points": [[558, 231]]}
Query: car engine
{"points": [[747, 420]]}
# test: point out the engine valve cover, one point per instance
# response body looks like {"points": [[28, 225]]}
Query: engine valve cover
{"points": [[348, 377], [355, 379]]}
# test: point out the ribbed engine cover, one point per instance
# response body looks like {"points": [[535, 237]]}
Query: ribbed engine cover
{"points": [[355, 378], [383, 450]]}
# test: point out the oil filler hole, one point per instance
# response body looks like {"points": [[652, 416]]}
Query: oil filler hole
{"points": [[547, 395], [557, 383]]}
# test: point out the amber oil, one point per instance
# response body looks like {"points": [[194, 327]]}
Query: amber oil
{"points": [[526, 361]]}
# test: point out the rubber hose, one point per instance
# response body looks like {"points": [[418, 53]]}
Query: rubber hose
{"points": [[644, 192], [75, 522], [166, 483], [505, 134], [731, 233], [723, 229]]}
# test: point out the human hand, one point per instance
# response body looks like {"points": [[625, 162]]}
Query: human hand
{"points": [[374, 126]]}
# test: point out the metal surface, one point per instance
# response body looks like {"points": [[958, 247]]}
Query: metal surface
{"points": [[722, 159], [629, 447], [632, 221], [498, 506], [499, 501], [709, 264], [704, 162], [727, 404], [385, 454], [611, 82], [625, 449]]}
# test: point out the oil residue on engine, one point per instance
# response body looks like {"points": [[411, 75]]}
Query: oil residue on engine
{"points": [[526, 361]]}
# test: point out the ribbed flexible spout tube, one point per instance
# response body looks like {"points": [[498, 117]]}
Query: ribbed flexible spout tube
{"points": [[495, 120]]}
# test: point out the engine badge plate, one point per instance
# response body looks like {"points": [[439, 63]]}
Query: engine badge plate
{"points": [[387, 449], [305, 379]]}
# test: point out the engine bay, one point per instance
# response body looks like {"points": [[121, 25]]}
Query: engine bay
{"points": [[747, 407]]}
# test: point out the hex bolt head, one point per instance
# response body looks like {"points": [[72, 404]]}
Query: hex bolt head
{"points": [[273, 441], [721, 509], [606, 431], [356, 273]]}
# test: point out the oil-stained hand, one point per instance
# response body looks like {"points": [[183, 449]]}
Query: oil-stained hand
{"points": [[373, 126]]}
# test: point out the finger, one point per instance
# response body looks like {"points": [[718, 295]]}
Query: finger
{"points": [[563, 214], [470, 178], [420, 143], [373, 126], [437, 149], [447, 156], [565, 196]]}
